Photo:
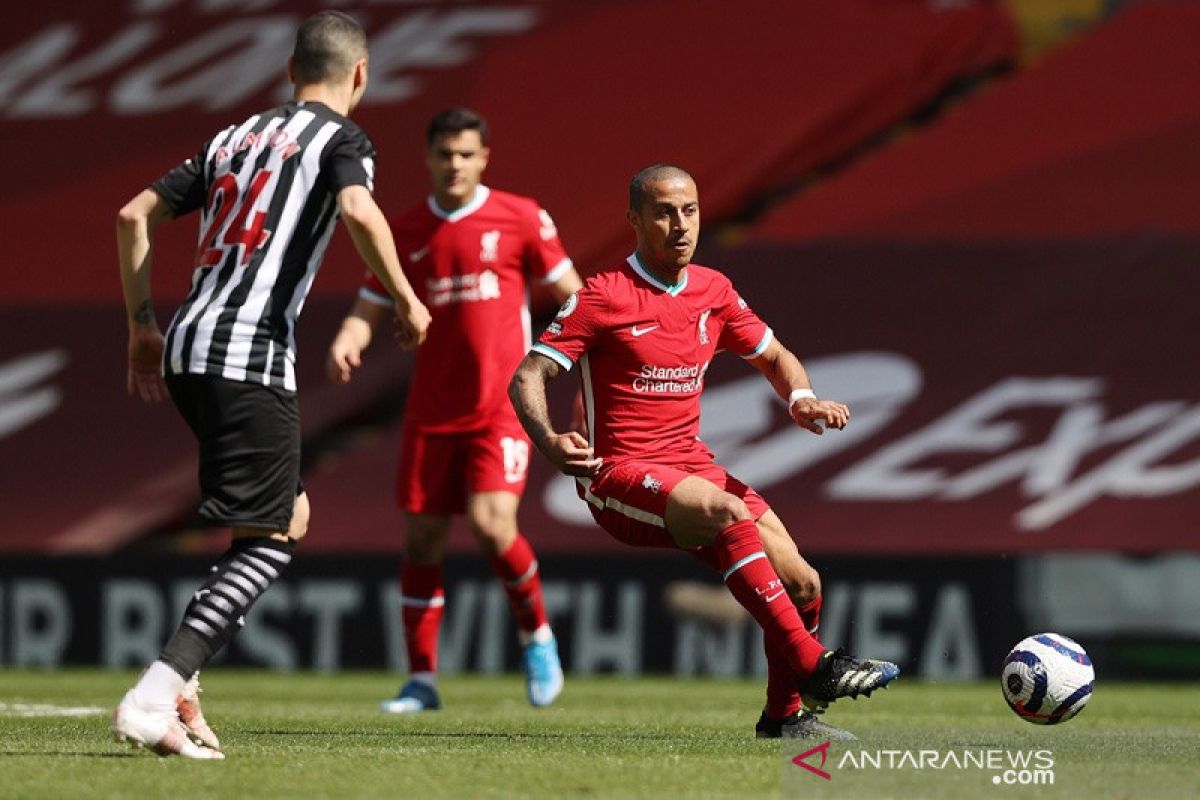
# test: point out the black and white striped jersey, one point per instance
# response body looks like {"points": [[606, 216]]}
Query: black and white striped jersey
{"points": [[267, 190]]}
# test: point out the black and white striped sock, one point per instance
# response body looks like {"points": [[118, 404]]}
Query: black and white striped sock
{"points": [[218, 608]]}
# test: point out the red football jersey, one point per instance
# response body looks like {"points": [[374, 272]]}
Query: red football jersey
{"points": [[643, 348], [470, 267]]}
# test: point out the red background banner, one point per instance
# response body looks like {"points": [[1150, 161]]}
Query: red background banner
{"points": [[1099, 139], [1021, 378], [99, 102]]}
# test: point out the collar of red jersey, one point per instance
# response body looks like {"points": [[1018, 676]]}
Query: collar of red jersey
{"points": [[481, 195], [673, 289]]}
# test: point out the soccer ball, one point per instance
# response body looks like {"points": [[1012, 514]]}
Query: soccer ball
{"points": [[1047, 679]]}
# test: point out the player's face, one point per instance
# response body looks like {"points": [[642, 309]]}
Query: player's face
{"points": [[668, 223], [456, 162]]}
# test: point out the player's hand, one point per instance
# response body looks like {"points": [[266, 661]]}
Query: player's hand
{"points": [[343, 358], [144, 376], [413, 322], [571, 455], [809, 413]]}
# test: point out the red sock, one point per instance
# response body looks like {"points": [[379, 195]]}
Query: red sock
{"points": [[751, 579], [810, 615], [423, 598], [782, 698], [517, 569]]}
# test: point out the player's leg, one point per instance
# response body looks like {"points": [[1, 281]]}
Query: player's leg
{"points": [[497, 469], [492, 517], [249, 437], [652, 505], [493, 520], [248, 553], [700, 514], [803, 586], [422, 604], [836, 674], [801, 580], [782, 715], [429, 490], [660, 506]]}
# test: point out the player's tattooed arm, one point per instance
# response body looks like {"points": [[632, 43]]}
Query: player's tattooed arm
{"points": [[568, 452], [136, 222], [144, 313], [527, 392]]}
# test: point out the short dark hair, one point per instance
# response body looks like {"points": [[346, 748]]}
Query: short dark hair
{"points": [[327, 46], [457, 120], [639, 185]]}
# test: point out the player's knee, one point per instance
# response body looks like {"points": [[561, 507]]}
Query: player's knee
{"points": [[301, 513], [804, 586], [495, 532], [724, 510], [422, 547], [421, 551]]}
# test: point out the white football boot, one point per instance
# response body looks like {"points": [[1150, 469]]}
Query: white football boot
{"points": [[157, 730], [188, 707]]}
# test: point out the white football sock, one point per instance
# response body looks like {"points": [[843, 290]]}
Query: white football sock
{"points": [[427, 678], [542, 635], [158, 687]]}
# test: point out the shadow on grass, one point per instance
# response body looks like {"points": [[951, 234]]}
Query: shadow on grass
{"points": [[44, 753], [623, 736]]}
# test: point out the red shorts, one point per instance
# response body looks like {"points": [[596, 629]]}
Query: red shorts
{"points": [[629, 499], [438, 470]]}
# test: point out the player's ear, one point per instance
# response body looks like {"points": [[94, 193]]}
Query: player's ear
{"points": [[633, 217], [360, 75], [484, 153], [291, 70], [358, 82]]}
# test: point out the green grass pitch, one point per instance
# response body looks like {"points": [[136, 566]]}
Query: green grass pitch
{"points": [[314, 736]]}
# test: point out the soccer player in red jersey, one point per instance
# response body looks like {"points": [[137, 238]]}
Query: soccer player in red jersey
{"points": [[471, 252], [643, 335]]}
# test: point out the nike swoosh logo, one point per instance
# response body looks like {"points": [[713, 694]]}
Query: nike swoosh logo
{"points": [[417, 255], [775, 596], [641, 331]]}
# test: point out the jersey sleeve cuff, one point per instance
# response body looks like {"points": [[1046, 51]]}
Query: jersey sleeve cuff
{"points": [[560, 269], [552, 354], [170, 198], [762, 345], [371, 296]]}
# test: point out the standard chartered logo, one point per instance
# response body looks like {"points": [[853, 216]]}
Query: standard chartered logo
{"points": [[684, 379]]}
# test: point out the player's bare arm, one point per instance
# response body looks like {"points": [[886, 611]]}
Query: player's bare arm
{"points": [[345, 352], [373, 239], [790, 380], [568, 452], [135, 250]]}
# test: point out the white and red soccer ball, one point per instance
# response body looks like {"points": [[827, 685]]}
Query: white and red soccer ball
{"points": [[1047, 679]]}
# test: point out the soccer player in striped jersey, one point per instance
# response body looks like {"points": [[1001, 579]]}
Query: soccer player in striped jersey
{"points": [[472, 252], [270, 191], [643, 335]]}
